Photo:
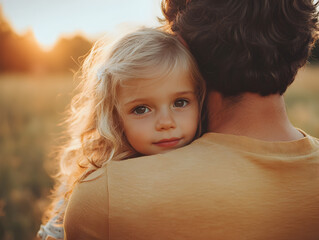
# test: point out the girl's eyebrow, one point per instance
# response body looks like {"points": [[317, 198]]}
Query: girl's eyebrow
{"points": [[184, 92], [139, 100]]}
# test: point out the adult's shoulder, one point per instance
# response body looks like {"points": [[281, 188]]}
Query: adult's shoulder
{"points": [[165, 160], [157, 171], [87, 212], [199, 147]]}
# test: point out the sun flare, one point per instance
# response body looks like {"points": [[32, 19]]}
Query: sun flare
{"points": [[49, 20]]}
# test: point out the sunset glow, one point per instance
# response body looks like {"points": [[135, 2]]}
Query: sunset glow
{"points": [[49, 20]]}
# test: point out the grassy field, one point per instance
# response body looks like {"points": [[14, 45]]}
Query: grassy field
{"points": [[31, 108], [302, 100]]}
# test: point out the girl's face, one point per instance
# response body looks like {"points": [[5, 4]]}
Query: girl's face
{"points": [[159, 115]]}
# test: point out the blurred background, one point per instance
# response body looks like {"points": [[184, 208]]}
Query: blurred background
{"points": [[42, 43]]}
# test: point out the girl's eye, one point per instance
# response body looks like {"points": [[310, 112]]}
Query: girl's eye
{"points": [[141, 110], [180, 103]]}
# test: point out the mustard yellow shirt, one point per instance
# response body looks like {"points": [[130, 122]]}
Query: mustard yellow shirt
{"points": [[220, 187]]}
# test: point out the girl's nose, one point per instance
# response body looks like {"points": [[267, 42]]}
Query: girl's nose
{"points": [[165, 121]]}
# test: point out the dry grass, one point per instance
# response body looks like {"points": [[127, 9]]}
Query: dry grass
{"points": [[302, 100], [31, 108]]}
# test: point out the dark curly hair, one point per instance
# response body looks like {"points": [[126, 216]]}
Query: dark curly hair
{"points": [[247, 45]]}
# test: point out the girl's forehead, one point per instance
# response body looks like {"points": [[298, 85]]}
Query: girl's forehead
{"points": [[151, 74], [136, 88], [158, 69], [178, 80]]}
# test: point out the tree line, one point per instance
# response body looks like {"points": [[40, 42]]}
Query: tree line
{"points": [[21, 53]]}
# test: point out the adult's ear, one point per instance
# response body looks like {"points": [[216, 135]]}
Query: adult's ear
{"points": [[171, 8], [181, 39]]}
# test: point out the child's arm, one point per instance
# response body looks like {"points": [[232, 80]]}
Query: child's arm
{"points": [[53, 229]]}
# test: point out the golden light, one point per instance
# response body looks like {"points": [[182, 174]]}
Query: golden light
{"points": [[50, 19]]}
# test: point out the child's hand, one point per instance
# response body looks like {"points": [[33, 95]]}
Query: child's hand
{"points": [[51, 232]]}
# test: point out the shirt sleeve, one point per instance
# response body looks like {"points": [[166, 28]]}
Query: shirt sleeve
{"points": [[86, 216]]}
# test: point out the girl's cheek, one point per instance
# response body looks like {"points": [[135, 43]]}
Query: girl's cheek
{"points": [[189, 119], [190, 113], [141, 124]]}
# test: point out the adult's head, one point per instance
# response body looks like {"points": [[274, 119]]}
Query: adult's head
{"points": [[246, 46]]}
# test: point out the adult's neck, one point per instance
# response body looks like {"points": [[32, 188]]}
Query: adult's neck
{"points": [[251, 115]]}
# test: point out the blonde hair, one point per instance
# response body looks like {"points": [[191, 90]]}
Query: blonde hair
{"points": [[94, 125]]}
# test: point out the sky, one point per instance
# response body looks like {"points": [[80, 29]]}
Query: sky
{"points": [[50, 19]]}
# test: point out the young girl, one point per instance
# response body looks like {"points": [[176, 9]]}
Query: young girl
{"points": [[141, 96]]}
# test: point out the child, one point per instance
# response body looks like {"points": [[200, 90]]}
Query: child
{"points": [[141, 96]]}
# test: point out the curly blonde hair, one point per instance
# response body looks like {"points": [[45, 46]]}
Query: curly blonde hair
{"points": [[94, 129]]}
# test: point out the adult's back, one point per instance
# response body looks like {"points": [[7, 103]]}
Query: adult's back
{"points": [[219, 187]]}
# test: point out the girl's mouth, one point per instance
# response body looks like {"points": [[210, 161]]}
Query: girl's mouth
{"points": [[171, 142]]}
